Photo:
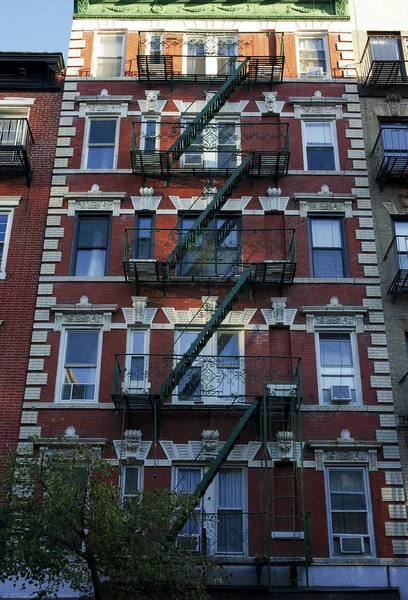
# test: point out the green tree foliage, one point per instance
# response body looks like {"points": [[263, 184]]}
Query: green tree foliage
{"points": [[62, 521]]}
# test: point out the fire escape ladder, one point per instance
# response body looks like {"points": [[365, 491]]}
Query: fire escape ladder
{"points": [[208, 331], [217, 463], [198, 124], [219, 200]]}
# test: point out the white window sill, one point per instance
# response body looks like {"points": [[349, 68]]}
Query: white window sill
{"points": [[3, 275]]}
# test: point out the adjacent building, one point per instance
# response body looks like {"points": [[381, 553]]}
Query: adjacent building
{"points": [[30, 99], [209, 305]]}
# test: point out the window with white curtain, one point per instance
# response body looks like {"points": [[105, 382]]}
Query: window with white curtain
{"points": [[320, 152], [91, 244], [187, 481], [312, 56], [230, 511], [349, 511], [110, 55], [328, 247], [337, 367]]}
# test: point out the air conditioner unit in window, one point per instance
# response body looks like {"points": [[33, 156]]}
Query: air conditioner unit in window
{"points": [[193, 159], [351, 545], [314, 71], [281, 390], [340, 394]]}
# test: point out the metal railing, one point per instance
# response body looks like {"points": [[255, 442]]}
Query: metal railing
{"points": [[397, 264], [401, 408], [384, 61], [390, 153], [210, 379], [222, 252], [16, 142]]}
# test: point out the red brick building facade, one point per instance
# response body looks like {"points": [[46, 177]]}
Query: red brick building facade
{"points": [[208, 301]]}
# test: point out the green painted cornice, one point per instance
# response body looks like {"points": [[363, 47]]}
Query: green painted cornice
{"points": [[216, 9]]}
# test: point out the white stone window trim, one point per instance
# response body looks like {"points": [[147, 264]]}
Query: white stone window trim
{"points": [[65, 329], [233, 204], [354, 370], [314, 34], [103, 104], [333, 129], [318, 107], [87, 131], [7, 206], [94, 200], [369, 511], [334, 316], [83, 314], [143, 129], [97, 45], [324, 202]]}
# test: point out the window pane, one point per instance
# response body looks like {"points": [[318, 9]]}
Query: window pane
{"points": [[385, 49], [3, 228], [188, 480], [230, 532], [82, 348], [348, 501], [328, 263], [93, 231], [131, 480], [320, 159], [102, 131], [350, 480], [110, 45], [326, 233], [137, 368], [138, 342], [318, 134], [335, 350], [101, 158], [349, 522], [109, 67], [230, 488], [90, 263], [190, 385], [227, 349]]}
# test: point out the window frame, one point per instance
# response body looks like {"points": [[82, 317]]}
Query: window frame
{"points": [[140, 215], [141, 384], [344, 246], [143, 131], [149, 36], [9, 212], [315, 35], [333, 130], [74, 251], [355, 368], [200, 506], [244, 509], [123, 469], [61, 363], [211, 64], [87, 131], [369, 511], [97, 48]]}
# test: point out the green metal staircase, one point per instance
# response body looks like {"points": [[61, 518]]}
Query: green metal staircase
{"points": [[199, 123]]}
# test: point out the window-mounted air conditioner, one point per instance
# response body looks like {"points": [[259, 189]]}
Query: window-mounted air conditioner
{"points": [[352, 545], [193, 159], [340, 394], [282, 390], [314, 71]]}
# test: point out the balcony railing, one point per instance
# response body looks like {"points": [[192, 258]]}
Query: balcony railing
{"points": [[217, 255], [397, 264], [390, 154], [237, 537], [401, 409], [16, 141], [218, 149], [384, 61], [210, 380]]}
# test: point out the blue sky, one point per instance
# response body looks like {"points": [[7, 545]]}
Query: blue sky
{"points": [[36, 25]]}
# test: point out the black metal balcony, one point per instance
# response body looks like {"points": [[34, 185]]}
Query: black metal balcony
{"points": [[384, 61], [401, 408], [220, 148], [397, 264], [210, 380], [16, 141], [216, 255], [390, 154]]}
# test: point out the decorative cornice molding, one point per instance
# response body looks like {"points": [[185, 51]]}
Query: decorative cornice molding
{"points": [[83, 313], [95, 199], [334, 314], [325, 201], [270, 105], [196, 449], [318, 106], [274, 202], [139, 313], [152, 105], [229, 108], [146, 200], [9, 201], [278, 314], [104, 103], [200, 316], [233, 204]]}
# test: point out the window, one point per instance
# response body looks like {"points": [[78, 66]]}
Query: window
{"points": [[136, 377], [216, 252], [144, 237], [217, 374], [101, 143], [5, 230], [90, 254], [187, 480], [81, 365], [320, 151], [401, 231], [328, 247], [130, 482], [313, 56], [110, 53], [230, 534], [395, 139], [149, 136], [155, 46], [210, 54], [350, 521], [194, 155], [385, 48], [227, 146], [12, 131], [338, 370]]}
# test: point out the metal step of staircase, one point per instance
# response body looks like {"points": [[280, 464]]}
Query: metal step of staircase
{"points": [[198, 124], [219, 200], [205, 335]]}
